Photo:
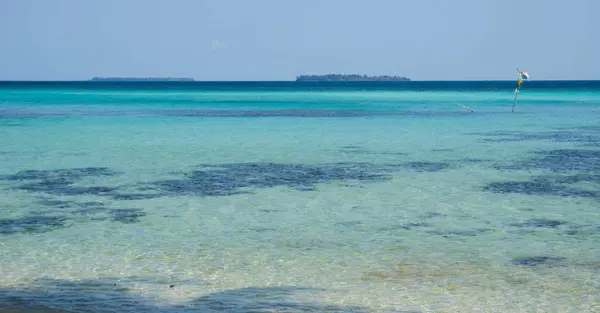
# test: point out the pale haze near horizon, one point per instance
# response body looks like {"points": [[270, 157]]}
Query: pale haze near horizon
{"points": [[278, 40]]}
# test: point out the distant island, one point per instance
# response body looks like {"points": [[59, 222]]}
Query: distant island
{"points": [[349, 77], [144, 79]]}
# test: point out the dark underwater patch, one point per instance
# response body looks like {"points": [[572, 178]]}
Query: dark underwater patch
{"points": [[539, 223], [569, 166], [127, 216], [93, 210], [115, 295], [432, 215], [231, 179], [96, 213], [132, 196], [426, 228], [442, 150], [473, 160], [87, 208], [60, 174], [91, 204], [583, 230], [31, 224], [268, 211], [60, 204], [427, 166], [64, 188], [217, 180], [590, 128], [561, 160], [60, 181], [539, 260], [540, 186], [572, 135], [460, 233]]}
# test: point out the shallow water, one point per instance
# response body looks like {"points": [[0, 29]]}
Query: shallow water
{"points": [[331, 200]]}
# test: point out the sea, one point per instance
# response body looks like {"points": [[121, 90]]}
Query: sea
{"points": [[418, 196]]}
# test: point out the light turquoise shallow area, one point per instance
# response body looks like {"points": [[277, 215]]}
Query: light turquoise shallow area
{"points": [[239, 100], [420, 241]]}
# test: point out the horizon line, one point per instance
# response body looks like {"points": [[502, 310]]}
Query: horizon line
{"points": [[284, 81]]}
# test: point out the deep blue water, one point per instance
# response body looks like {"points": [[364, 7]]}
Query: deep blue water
{"points": [[310, 86]]}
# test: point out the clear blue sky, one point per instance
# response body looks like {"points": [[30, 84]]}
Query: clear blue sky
{"points": [[279, 39]]}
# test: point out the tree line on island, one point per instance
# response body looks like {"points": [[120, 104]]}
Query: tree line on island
{"points": [[350, 77]]}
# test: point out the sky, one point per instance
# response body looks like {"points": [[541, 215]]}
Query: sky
{"points": [[278, 40]]}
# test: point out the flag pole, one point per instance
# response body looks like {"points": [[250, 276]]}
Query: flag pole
{"points": [[517, 90]]}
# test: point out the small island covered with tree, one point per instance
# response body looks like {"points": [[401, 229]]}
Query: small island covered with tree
{"points": [[143, 79], [349, 77]]}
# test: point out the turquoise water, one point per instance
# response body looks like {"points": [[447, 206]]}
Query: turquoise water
{"points": [[327, 198]]}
